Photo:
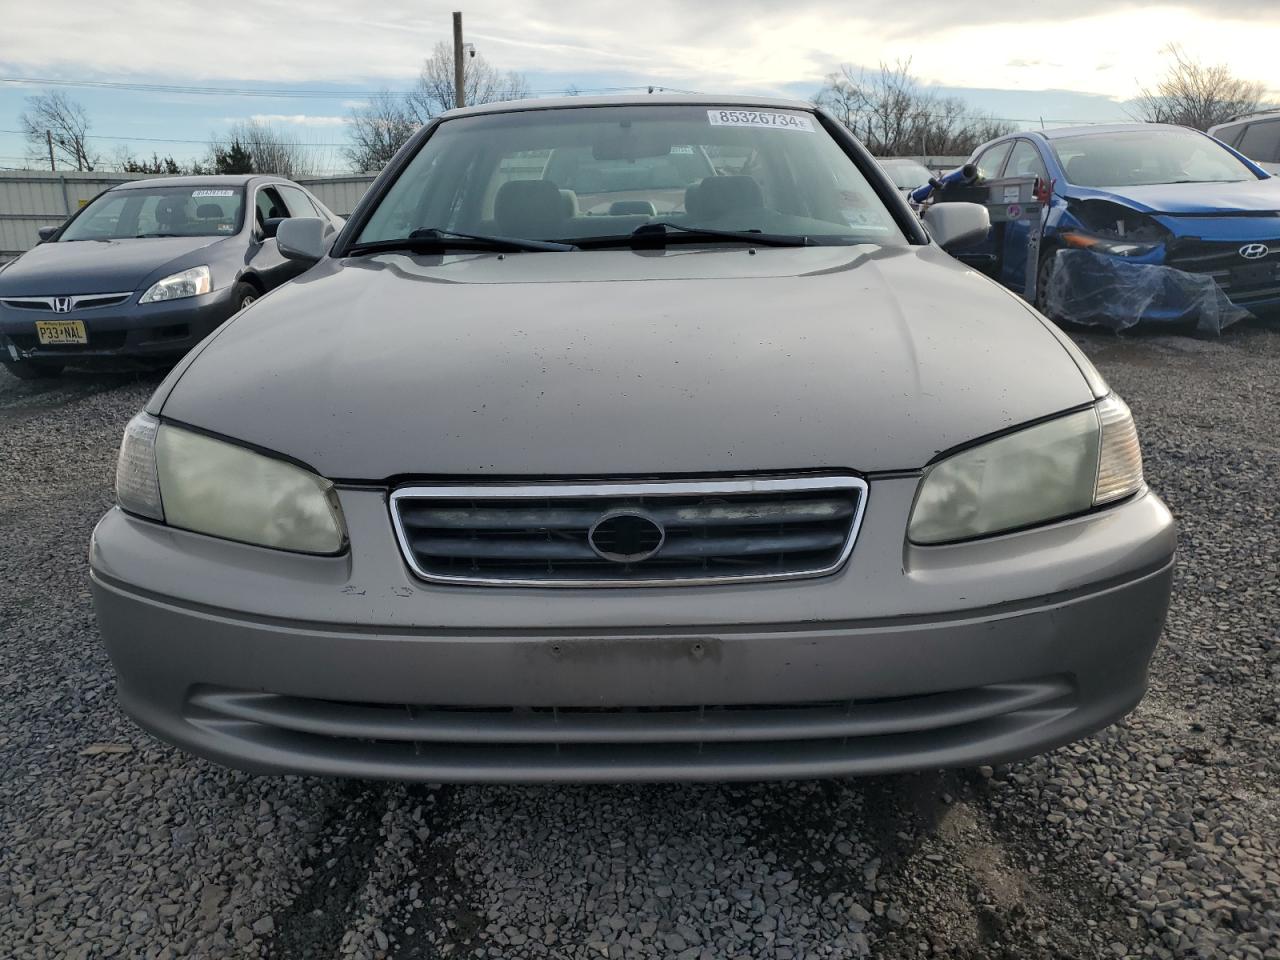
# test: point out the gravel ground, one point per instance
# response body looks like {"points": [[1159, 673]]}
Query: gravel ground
{"points": [[1158, 838]]}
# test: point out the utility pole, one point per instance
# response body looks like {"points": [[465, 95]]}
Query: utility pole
{"points": [[459, 68], [48, 138]]}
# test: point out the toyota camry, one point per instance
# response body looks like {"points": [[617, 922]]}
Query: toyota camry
{"points": [[738, 476]]}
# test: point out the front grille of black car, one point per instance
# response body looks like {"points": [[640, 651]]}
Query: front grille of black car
{"points": [[83, 301], [1243, 280], [98, 340], [629, 533]]}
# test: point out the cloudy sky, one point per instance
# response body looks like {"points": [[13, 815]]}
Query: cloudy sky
{"points": [[1064, 61]]}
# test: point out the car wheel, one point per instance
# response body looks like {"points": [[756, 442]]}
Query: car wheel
{"points": [[1043, 277], [33, 370], [245, 294]]}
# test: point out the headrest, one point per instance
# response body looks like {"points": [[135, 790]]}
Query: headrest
{"points": [[716, 197], [1092, 170], [169, 209], [533, 209], [209, 211]]}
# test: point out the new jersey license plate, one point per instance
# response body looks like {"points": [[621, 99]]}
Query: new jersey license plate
{"points": [[53, 332]]}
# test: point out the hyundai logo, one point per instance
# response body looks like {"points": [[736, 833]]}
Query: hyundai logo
{"points": [[1255, 251], [626, 536], [61, 304]]}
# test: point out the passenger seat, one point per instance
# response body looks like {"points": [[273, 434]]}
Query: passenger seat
{"points": [[533, 209], [721, 196]]}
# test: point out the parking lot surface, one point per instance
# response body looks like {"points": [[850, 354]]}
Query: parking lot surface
{"points": [[1159, 837]]}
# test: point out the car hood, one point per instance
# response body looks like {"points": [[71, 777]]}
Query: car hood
{"points": [[627, 363], [93, 266], [1197, 198]]}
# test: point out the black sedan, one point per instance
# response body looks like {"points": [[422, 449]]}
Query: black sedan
{"points": [[148, 269]]}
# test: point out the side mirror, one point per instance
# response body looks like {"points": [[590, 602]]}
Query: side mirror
{"points": [[271, 226], [301, 238], [46, 233], [956, 224]]}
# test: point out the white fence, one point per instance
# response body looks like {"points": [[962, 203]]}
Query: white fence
{"points": [[31, 199]]}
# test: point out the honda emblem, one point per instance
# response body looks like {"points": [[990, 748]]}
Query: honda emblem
{"points": [[61, 304]]}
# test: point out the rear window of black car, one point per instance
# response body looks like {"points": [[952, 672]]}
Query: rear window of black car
{"points": [[161, 211]]}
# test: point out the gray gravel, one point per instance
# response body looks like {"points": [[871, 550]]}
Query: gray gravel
{"points": [[1157, 838]]}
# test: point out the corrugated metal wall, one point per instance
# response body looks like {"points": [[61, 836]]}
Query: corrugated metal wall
{"points": [[31, 199], [340, 194]]}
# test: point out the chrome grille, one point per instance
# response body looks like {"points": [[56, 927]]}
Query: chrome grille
{"points": [[550, 534], [82, 301]]}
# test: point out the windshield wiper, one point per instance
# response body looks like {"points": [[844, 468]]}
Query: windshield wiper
{"points": [[432, 240], [661, 232]]}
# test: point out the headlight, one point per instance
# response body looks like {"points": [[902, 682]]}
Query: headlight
{"points": [[1053, 470], [188, 283], [1113, 248], [209, 486]]}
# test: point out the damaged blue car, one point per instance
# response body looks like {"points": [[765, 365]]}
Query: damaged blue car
{"points": [[1145, 222]]}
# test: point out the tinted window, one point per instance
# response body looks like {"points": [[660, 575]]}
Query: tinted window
{"points": [[270, 205], [300, 204], [1025, 161], [1140, 157], [1231, 134], [575, 173], [1262, 141], [159, 211], [992, 160]]}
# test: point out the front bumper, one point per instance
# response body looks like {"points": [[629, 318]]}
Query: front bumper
{"points": [[349, 666], [128, 330]]}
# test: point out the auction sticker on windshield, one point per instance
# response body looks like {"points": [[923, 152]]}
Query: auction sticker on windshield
{"points": [[759, 118]]}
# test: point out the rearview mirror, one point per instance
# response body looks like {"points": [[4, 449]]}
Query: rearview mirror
{"points": [[301, 238], [956, 224], [626, 143], [46, 233], [271, 226]]}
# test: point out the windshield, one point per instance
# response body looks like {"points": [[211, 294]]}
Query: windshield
{"points": [[906, 174], [1144, 157], [590, 172], [159, 212]]}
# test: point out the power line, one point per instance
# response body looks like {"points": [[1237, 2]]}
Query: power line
{"points": [[204, 142], [286, 94]]}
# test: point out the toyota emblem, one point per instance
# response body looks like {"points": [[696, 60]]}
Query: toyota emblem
{"points": [[626, 536], [1255, 251]]}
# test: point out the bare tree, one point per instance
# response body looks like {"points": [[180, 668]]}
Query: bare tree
{"points": [[380, 128], [482, 83], [1197, 95], [55, 116], [890, 112], [377, 130], [268, 150]]}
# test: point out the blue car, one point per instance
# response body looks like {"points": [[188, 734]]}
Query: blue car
{"points": [[1145, 222]]}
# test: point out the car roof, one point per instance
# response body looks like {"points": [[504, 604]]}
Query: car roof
{"points": [[221, 180], [1273, 114], [1091, 129], [629, 100]]}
